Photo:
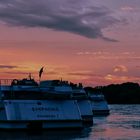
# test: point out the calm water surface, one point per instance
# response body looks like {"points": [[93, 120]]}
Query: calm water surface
{"points": [[122, 124]]}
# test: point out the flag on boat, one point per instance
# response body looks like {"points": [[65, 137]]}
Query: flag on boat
{"points": [[40, 72]]}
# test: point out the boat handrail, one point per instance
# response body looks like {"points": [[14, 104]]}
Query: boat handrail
{"points": [[6, 82]]}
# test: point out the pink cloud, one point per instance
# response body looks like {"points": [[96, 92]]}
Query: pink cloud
{"points": [[120, 68]]}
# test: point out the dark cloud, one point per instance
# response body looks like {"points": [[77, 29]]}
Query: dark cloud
{"points": [[27, 73], [17, 72], [7, 67], [81, 18]]}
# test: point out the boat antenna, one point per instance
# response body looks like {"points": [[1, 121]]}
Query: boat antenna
{"points": [[30, 76]]}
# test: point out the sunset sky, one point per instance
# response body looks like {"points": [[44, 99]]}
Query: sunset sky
{"points": [[96, 42]]}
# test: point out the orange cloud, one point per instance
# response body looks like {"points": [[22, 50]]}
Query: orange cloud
{"points": [[120, 79], [120, 68]]}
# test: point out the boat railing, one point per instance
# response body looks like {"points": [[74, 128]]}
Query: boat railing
{"points": [[5, 82], [8, 82]]}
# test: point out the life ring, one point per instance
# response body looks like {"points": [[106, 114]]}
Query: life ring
{"points": [[14, 82]]}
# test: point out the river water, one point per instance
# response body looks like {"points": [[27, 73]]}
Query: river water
{"points": [[123, 123]]}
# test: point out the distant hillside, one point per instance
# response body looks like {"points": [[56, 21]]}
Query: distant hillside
{"points": [[126, 93]]}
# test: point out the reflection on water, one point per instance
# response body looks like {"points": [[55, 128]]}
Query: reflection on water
{"points": [[46, 135], [122, 124]]}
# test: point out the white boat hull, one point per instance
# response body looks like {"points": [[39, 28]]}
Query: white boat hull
{"points": [[100, 107], [40, 114]]}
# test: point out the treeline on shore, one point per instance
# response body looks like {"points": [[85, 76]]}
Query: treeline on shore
{"points": [[125, 93]]}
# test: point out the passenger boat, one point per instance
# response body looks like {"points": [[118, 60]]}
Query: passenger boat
{"points": [[75, 92], [27, 105], [49, 104], [99, 104]]}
